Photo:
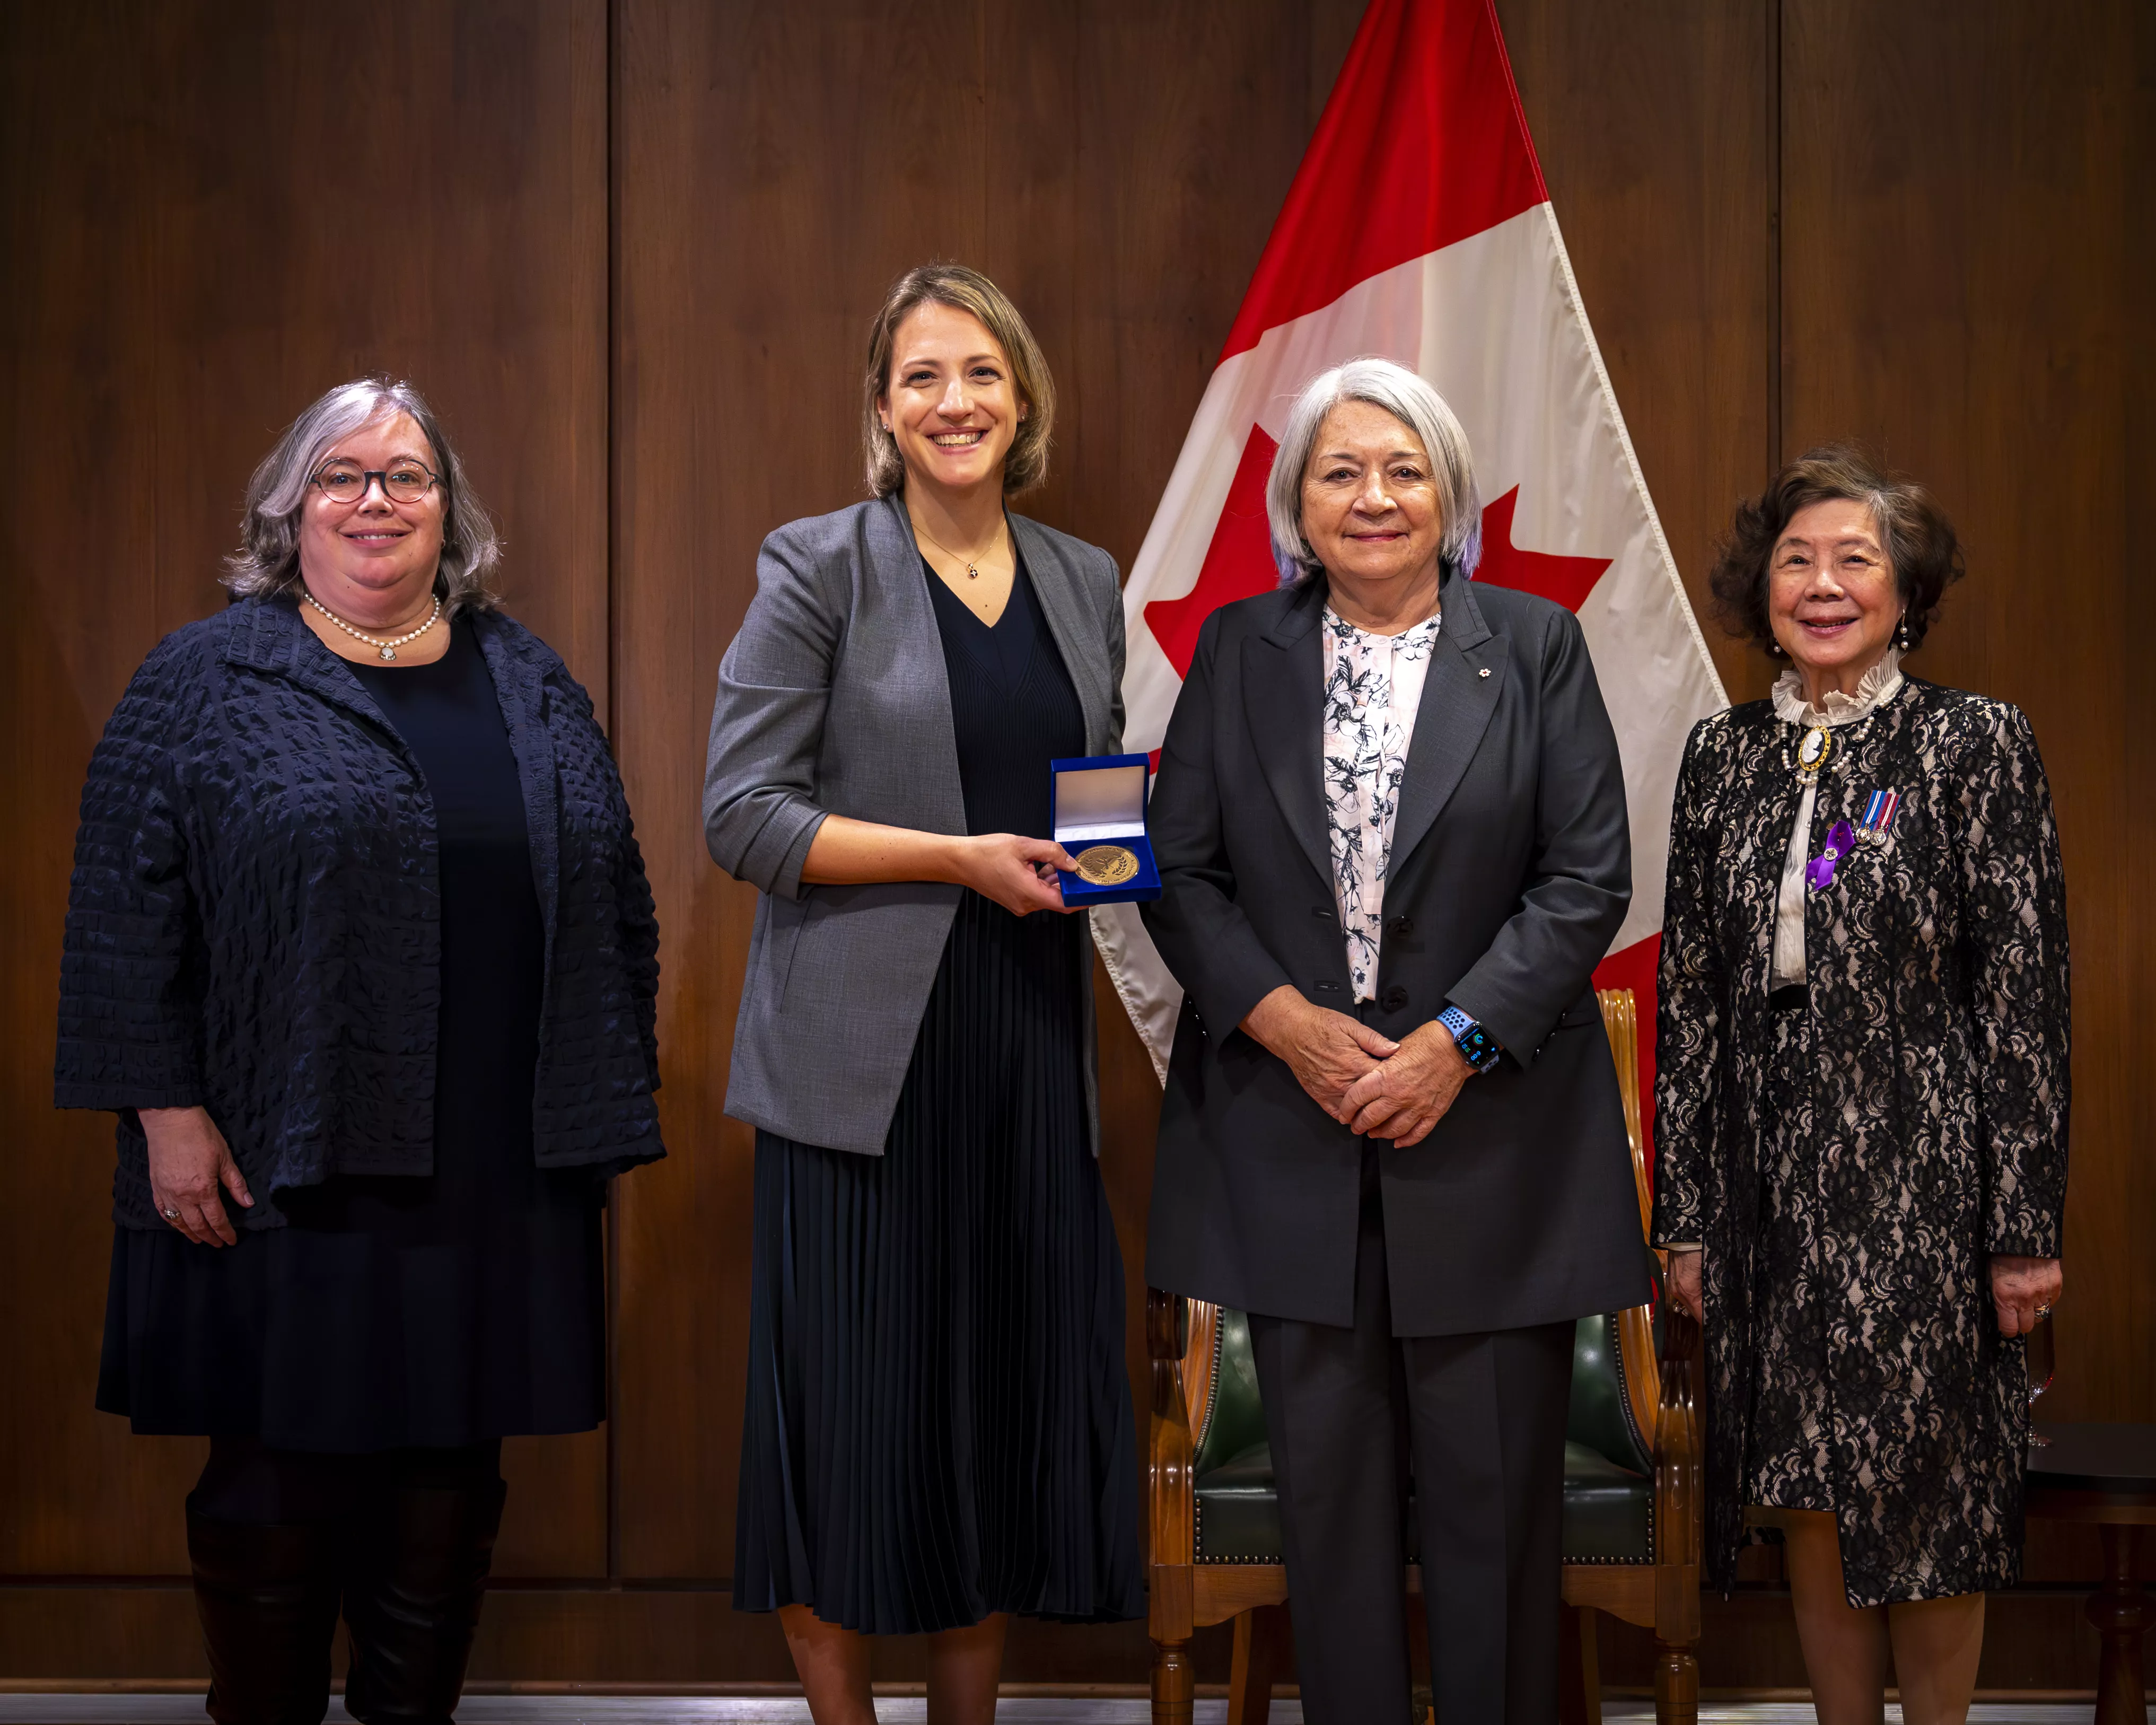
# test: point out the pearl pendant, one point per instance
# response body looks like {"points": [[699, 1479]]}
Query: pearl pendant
{"points": [[388, 652]]}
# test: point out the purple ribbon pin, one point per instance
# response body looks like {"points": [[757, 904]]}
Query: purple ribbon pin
{"points": [[1819, 872]]}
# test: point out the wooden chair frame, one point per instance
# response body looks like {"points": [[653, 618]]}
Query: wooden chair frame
{"points": [[1663, 1596]]}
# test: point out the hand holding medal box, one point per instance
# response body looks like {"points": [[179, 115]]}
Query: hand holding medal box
{"points": [[1096, 806]]}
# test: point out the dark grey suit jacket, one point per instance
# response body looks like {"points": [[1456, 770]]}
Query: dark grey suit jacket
{"points": [[834, 699], [1510, 871]]}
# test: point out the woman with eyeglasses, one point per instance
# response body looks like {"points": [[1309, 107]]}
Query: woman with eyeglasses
{"points": [[361, 952]]}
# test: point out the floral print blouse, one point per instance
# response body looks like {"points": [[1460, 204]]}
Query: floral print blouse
{"points": [[1372, 688]]}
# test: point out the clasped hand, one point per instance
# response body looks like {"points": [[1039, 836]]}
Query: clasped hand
{"points": [[1371, 1084]]}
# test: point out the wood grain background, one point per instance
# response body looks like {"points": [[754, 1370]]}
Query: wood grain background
{"points": [[630, 247]]}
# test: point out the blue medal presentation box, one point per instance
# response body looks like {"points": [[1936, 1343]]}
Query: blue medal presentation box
{"points": [[1099, 800]]}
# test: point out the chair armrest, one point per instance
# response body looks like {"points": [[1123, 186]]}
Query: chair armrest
{"points": [[1677, 1444], [1643, 1371], [1678, 1504], [1171, 1514]]}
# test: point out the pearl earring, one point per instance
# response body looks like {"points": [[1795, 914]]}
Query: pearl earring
{"points": [[1773, 648], [1901, 635]]}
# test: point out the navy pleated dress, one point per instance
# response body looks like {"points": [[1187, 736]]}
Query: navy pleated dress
{"points": [[938, 1423]]}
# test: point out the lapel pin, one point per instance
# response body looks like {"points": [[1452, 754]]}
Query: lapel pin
{"points": [[1484, 672]]}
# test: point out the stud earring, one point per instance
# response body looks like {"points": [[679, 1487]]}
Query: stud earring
{"points": [[1773, 648]]}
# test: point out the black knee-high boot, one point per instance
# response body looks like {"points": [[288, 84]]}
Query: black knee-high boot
{"points": [[418, 1569], [268, 1597]]}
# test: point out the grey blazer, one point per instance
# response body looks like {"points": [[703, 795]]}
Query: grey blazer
{"points": [[834, 699]]}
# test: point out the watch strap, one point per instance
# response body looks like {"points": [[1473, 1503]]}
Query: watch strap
{"points": [[1476, 1045]]}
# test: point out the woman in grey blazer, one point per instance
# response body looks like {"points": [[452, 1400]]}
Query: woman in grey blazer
{"points": [[938, 1430]]}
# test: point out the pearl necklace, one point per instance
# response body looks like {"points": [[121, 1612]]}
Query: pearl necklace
{"points": [[387, 649], [1837, 710]]}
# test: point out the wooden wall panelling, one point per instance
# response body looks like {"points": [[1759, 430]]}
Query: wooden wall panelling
{"points": [[80, 538], [1962, 187], [1652, 120], [213, 212]]}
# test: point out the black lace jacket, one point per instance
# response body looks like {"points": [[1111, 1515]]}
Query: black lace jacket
{"points": [[254, 924], [1937, 970]]}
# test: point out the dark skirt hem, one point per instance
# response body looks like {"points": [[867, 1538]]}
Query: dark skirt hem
{"points": [[360, 1340], [1127, 1613], [938, 1425]]}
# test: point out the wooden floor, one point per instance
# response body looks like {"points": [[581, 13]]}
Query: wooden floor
{"points": [[763, 1710]]}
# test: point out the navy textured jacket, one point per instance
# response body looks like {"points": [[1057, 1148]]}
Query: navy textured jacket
{"points": [[254, 922]]}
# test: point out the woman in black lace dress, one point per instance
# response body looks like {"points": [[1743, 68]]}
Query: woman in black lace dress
{"points": [[1862, 1088]]}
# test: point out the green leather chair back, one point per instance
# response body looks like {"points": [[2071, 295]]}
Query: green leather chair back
{"points": [[1609, 1465], [1599, 1416], [1235, 1422]]}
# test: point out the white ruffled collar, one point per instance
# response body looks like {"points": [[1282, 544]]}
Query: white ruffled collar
{"points": [[1879, 685]]}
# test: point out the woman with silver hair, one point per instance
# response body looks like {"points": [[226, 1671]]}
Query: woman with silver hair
{"points": [[360, 950], [1391, 832]]}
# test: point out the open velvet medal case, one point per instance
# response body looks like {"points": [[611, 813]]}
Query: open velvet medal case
{"points": [[1096, 806]]}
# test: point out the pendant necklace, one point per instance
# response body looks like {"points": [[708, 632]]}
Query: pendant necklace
{"points": [[387, 649], [971, 573]]}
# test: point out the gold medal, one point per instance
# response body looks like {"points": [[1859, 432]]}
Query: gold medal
{"points": [[1106, 865]]}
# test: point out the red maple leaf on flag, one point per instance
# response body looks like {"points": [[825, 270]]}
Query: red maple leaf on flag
{"points": [[1566, 580]]}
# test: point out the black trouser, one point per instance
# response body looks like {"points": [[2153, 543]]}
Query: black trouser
{"points": [[1483, 1417], [280, 1539]]}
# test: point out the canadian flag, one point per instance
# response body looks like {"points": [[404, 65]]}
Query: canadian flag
{"points": [[1418, 229]]}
